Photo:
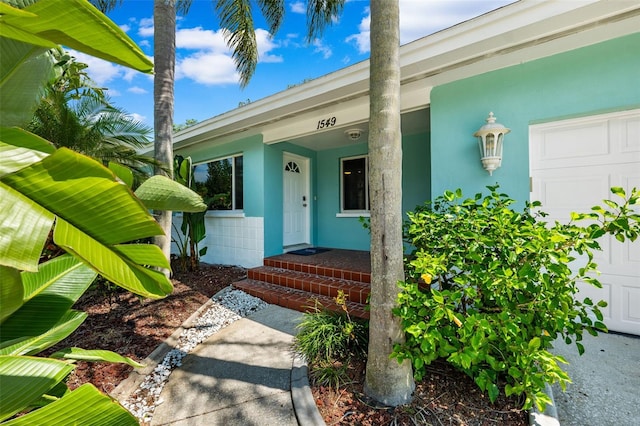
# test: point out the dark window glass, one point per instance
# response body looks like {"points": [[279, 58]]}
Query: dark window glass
{"points": [[215, 182], [354, 184], [238, 175]]}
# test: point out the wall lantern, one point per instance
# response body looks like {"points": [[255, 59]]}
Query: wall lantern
{"points": [[490, 138]]}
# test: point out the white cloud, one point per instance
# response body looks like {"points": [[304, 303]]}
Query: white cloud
{"points": [[419, 18], [144, 43], [137, 90], [291, 40], [208, 68], [210, 61], [99, 70], [104, 72], [146, 27], [138, 117], [322, 48], [265, 45], [297, 7], [200, 39], [361, 39], [125, 27]]}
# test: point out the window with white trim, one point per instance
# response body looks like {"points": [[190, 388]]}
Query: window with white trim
{"points": [[219, 182], [354, 184]]}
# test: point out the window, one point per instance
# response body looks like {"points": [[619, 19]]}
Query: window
{"points": [[355, 184], [219, 183]]}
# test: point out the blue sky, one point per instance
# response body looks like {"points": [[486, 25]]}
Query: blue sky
{"points": [[206, 80]]}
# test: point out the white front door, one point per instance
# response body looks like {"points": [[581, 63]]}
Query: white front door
{"points": [[297, 205], [574, 163]]}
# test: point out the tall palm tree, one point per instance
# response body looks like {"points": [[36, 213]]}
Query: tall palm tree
{"points": [[236, 19], [387, 380]]}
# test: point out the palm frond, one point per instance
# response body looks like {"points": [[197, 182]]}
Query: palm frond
{"points": [[105, 6], [183, 6], [273, 12], [237, 23], [321, 13]]}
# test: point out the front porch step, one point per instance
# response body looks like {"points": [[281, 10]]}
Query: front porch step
{"points": [[298, 300], [297, 282], [314, 283]]}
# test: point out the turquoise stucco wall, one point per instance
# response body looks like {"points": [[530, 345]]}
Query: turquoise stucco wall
{"points": [[273, 174], [347, 232], [252, 150], [595, 79]]}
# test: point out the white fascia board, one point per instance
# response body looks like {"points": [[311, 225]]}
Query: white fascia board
{"points": [[519, 32]]}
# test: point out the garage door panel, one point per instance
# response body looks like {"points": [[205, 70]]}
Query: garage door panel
{"points": [[631, 303], [575, 141], [576, 193], [626, 132], [574, 163]]}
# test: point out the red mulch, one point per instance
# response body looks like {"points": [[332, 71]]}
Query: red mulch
{"points": [[134, 327]]}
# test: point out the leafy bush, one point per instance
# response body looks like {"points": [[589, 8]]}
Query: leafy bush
{"points": [[327, 338], [489, 289]]}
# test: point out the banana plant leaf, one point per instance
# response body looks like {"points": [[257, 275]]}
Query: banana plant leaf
{"points": [[161, 193], [123, 173], [44, 317], [23, 380], [11, 292], [96, 410], [31, 345], [27, 34], [75, 24], [95, 355], [95, 213], [25, 149]]}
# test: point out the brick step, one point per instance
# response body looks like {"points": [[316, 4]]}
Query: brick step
{"points": [[322, 270], [299, 300], [317, 284]]}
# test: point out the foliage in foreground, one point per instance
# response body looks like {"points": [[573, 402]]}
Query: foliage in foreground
{"points": [[489, 289], [91, 214], [193, 227], [328, 340]]}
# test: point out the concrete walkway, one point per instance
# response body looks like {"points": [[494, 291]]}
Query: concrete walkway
{"points": [[239, 376], [606, 382]]}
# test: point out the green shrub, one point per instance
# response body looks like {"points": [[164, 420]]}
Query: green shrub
{"points": [[489, 289], [327, 336], [329, 373]]}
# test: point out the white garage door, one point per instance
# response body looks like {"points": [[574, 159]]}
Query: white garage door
{"points": [[573, 165]]}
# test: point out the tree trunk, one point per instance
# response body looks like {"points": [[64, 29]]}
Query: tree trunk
{"points": [[164, 15], [387, 381]]}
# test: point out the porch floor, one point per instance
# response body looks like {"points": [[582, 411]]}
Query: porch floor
{"points": [[297, 282]]}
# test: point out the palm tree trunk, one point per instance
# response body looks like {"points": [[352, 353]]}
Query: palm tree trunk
{"points": [[164, 15], [387, 381]]}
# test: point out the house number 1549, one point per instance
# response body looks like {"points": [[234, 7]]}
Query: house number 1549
{"points": [[329, 122]]}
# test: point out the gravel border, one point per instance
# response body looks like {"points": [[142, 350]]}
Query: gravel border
{"points": [[140, 392]]}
